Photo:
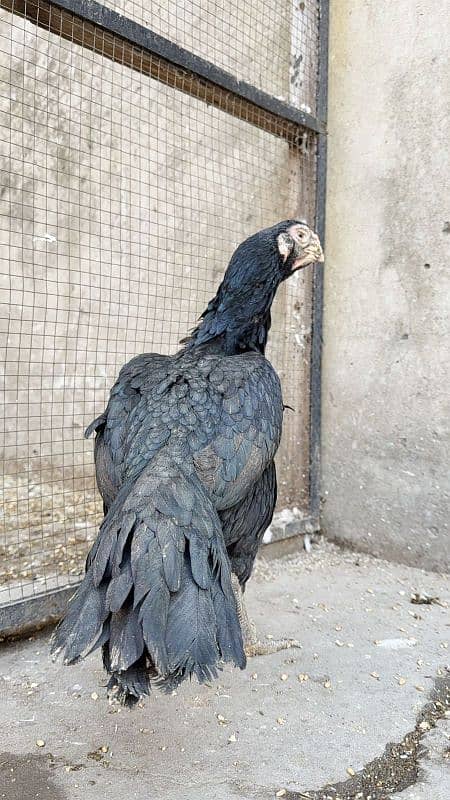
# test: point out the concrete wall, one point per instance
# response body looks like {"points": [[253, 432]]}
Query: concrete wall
{"points": [[386, 387]]}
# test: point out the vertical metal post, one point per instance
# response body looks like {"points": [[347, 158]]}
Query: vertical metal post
{"points": [[317, 299]]}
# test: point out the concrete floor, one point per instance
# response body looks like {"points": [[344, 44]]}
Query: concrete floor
{"points": [[293, 721]]}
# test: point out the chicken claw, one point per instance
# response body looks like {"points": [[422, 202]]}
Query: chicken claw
{"points": [[253, 646]]}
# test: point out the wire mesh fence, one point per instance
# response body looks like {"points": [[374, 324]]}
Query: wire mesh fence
{"points": [[272, 45], [126, 183]]}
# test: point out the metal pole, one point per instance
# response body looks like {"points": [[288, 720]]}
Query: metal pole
{"points": [[317, 299]]}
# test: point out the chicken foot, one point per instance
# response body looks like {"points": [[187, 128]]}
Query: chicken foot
{"points": [[253, 646]]}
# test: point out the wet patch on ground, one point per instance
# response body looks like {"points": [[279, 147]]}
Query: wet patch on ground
{"points": [[27, 776], [397, 768]]}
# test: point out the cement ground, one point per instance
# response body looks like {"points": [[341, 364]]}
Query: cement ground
{"points": [[312, 722]]}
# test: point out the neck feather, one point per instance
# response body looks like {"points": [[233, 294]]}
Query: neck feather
{"points": [[230, 337], [237, 319]]}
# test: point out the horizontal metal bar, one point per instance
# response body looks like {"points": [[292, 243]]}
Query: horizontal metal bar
{"points": [[116, 37], [143, 37], [33, 613]]}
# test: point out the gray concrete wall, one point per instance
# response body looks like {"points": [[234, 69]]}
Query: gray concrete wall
{"points": [[386, 387]]}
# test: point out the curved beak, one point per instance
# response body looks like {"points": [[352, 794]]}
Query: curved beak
{"points": [[307, 253]]}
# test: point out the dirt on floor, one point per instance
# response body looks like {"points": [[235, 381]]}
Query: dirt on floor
{"points": [[399, 767], [350, 714], [46, 528]]}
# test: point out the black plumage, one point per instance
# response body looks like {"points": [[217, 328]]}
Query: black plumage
{"points": [[184, 462]]}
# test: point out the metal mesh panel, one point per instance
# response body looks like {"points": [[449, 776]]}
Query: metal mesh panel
{"points": [[125, 187], [272, 44]]}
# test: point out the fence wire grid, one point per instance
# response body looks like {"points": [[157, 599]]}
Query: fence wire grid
{"points": [[126, 183]]}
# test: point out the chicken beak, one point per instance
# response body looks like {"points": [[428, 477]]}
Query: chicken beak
{"points": [[310, 254]]}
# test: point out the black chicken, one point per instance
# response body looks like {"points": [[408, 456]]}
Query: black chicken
{"points": [[184, 457]]}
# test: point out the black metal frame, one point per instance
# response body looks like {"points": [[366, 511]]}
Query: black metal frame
{"points": [[317, 299], [280, 118]]}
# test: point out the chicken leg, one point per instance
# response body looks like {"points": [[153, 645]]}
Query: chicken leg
{"points": [[253, 646]]}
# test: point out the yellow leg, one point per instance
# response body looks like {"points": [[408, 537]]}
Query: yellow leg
{"points": [[253, 646]]}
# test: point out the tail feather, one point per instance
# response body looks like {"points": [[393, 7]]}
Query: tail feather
{"points": [[122, 540], [192, 648], [119, 588], [201, 568], [171, 542], [157, 593], [153, 616], [126, 642], [147, 571], [100, 561], [85, 625]]}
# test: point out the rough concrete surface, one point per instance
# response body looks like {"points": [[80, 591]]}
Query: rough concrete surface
{"points": [[387, 294], [292, 721]]}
